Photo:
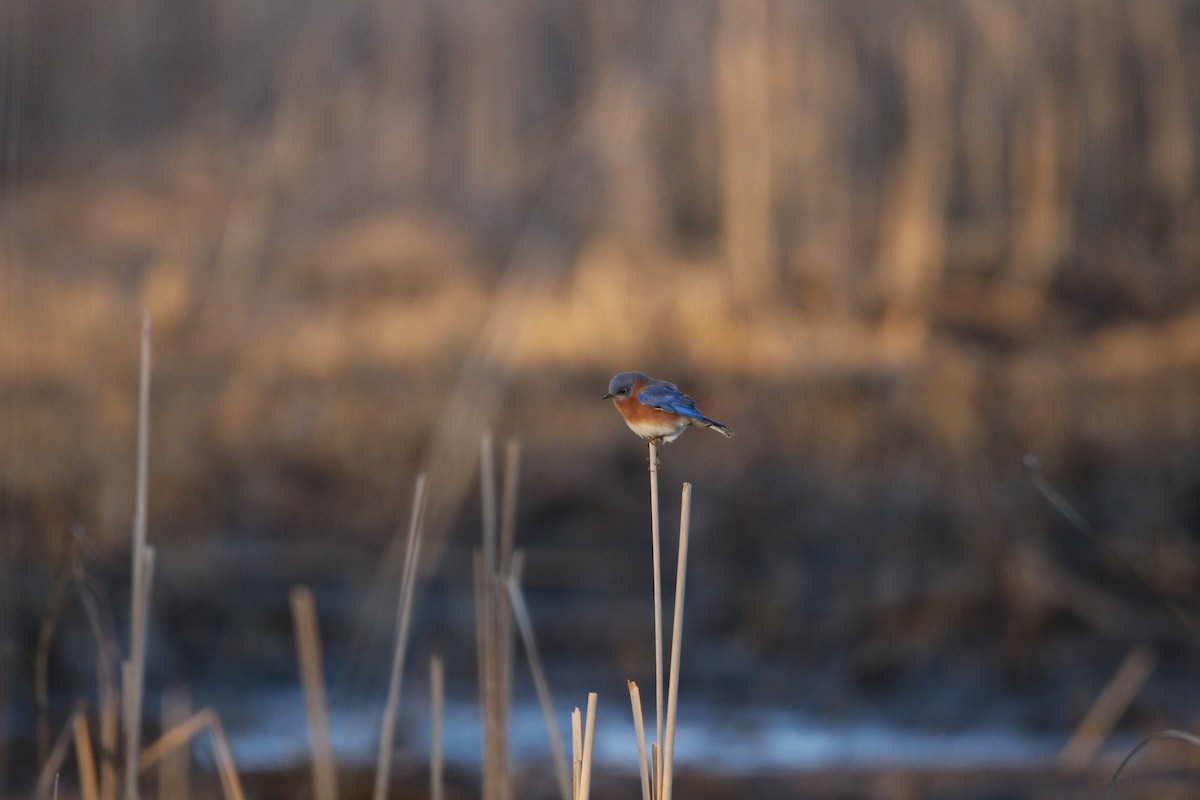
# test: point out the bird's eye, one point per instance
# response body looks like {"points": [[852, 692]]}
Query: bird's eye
{"points": [[622, 391]]}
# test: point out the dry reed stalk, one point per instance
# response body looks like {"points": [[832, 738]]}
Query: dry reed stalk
{"points": [[525, 627], [174, 770], [585, 761], [412, 555], [133, 673], [175, 737], [84, 758], [685, 515], [230, 784], [1089, 736], [507, 567], [143, 443], [109, 727], [107, 688], [487, 494], [656, 538], [110, 723], [508, 506], [493, 707], [639, 728], [482, 648], [183, 732], [308, 653], [57, 754], [494, 623], [437, 691], [655, 777], [576, 751], [489, 661]]}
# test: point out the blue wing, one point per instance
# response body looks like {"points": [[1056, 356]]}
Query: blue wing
{"points": [[665, 397]]}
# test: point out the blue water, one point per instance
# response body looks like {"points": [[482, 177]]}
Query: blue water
{"points": [[271, 732]]}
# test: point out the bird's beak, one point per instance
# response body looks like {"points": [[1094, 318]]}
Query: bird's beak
{"points": [[607, 396]]}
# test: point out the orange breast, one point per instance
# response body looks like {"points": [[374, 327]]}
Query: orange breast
{"points": [[647, 422]]}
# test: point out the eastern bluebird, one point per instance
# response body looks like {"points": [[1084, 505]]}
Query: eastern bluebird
{"points": [[655, 409]]}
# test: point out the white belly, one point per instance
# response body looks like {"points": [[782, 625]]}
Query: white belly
{"points": [[669, 430]]}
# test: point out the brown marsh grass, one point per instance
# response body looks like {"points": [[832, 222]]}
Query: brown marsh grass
{"points": [[898, 246]]}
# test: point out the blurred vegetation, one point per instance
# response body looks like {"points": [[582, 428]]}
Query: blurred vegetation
{"points": [[895, 245]]}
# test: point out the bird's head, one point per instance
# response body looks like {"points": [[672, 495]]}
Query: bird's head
{"points": [[624, 386]]}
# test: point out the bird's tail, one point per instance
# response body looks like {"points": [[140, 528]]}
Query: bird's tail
{"points": [[720, 428]]}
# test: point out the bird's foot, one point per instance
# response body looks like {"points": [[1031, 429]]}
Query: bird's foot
{"points": [[658, 442]]}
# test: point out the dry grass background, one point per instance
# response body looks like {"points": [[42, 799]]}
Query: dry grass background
{"points": [[896, 246]]}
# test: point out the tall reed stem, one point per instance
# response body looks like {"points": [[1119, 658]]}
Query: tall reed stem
{"points": [[525, 627], [134, 669], [437, 692], [174, 771], [639, 728], [312, 677], [585, 765], [85, 759], [658, 628], [494, 619], [387, 729], [182, 734], [668, 756]]}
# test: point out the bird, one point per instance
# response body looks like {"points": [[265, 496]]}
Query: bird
{"points": [[655, 409]]}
